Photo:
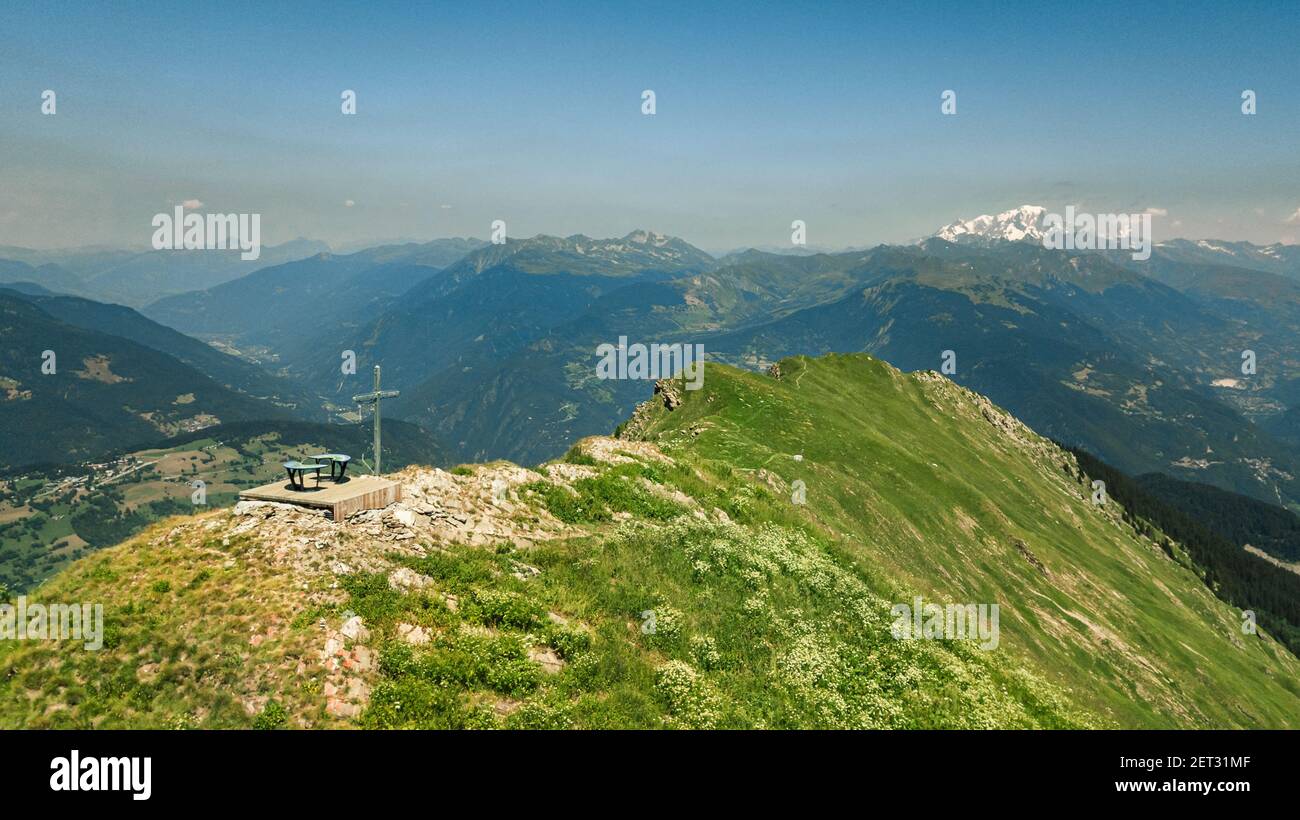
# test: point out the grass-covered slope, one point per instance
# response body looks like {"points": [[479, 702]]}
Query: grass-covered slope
{"points": [[666, 579], [930, 486]]}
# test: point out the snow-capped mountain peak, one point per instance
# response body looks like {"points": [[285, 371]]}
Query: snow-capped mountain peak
{"points": [[1017, 224], [642, 237]]}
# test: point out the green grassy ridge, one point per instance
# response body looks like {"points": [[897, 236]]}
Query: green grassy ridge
{"points": [[757, 626], [768, 614], [918, 487]]}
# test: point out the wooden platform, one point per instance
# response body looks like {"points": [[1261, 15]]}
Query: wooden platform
{"points": [[358, 493]]}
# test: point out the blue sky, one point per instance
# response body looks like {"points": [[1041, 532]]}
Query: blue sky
{"points": [[829, 113]]}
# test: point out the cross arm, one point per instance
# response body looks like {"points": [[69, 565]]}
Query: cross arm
{"points": [[379, 394]]}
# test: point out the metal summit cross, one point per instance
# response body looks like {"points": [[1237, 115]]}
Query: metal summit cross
{"points": [[373, 398]]}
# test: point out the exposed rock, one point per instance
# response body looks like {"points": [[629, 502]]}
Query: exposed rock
{"points": [[333, 645], [341, 709], [147, 673], [1023, 549], [671, 398], [412, 634], [444, 507], [666, 395], [359, 660], [524, 571], [354, 630], [569, 473], [773, 481], [266, 509], [401, 516], [358, 689], [619, 451], [248, 507], [775, 370], [551, 663], [405, 578]]}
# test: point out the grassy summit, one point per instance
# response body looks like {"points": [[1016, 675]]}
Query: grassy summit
{"points": [[667, 579]]}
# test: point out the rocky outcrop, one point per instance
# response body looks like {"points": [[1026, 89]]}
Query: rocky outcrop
{"points": [[666, 395], [1023, 549], [347, 661], [667, 391]]}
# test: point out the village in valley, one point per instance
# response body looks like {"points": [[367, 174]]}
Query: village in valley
{"points": [[50, 516]]}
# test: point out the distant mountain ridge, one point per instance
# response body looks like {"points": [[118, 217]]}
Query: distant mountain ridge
{"points": [[280, 313], [137, 277], [1026, 223], [105, 392], [492, 345], [1276, 258], [503, 296], [232, 372], [1088, 349]]}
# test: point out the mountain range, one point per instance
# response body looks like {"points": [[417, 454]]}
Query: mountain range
{"points": [[138, 277], [1138, 363], [493, 345]]}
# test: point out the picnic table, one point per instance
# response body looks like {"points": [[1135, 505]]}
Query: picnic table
{"points": [[335, 459], [298, 473]]}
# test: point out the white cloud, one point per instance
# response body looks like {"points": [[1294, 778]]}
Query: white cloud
{"points": [[347, 203], [191, 204], [1158, 211], [1294, 219]]}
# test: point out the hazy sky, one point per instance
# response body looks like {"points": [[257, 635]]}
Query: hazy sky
{"points": [[472, 112]]}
